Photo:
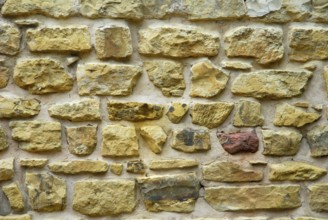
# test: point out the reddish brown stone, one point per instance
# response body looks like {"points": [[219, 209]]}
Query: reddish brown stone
{"points": [[239, 142]]}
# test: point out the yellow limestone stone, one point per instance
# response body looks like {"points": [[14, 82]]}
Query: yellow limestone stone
{"points": [[33, 163], [14, 196], [3, 140], [318, 197], [191, 140], [16, 217], [116, 168], [6, 169], [19, 107], [169, 164], [4, 76], [82, 140], [9, 39], [78, 166], [154, 136], [248, 114], [177, 111]]}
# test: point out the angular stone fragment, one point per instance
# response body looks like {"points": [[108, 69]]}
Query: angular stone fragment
{"points": [[18, 107], [158, 9], [239, 142], [81, 140], [27, 22], [288, 115], [154, 136], [6, 169], [9, 39], [166, 75], [79, 166], [269, 197], [177, 111], [59, 39], [248, 114], [175, 42], [110, 197], [84, 110], [190, 140], [205, 73], [264, 44], [211, 115], [320, 11], [318, 141], [42, 76], [119, 141], [272, 84], [4, 76], [136, 166], [281, 143], [37, 136], [3, 140], [302, 104], [172, 193], [318, 194], [229, 172], [33, 163], [116, 168], [236, 65], [295, 171], [257, 8], [46, 193], [14, 196], [169, 164], [16, 217], [133, 111]]}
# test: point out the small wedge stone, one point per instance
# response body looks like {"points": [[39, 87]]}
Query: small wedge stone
{"points": [[116, 168], [154, 136], [14, 196]]}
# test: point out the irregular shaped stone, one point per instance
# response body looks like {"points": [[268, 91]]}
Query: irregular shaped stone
{"points": [[169, 164], [236, 65], [113, 42], [288, 115], [190, 140], [175, 42], [230, 172], [248, 114], [134, 111], [119, 141], [33, 163], [264, 44], [269, 197], [71, 60], [318, 197], [3, 140], [16, 217], [82, 140], [79, 166], [136, 167], [46, 192], [154, 136], [311, 66], [4, 77], [281, 143], [211, 115], [59, 39], [177, 111], [257, 8], [84, 110], [116, 168], [37, 136], [325, 76], [309, 218], [302, 104], [167, 75], [6, 169], [27, 22], [42, 76], [320, 9], [158, 9], [19, 107], [258, 162], [107, 79], [318, 107], [233, 143], [110, 197], [9, 39], [172, 193], [272, 84], [14, 196], [318, 142]]}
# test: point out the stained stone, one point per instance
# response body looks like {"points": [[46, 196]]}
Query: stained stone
{"points": [[318, 141], [4, 77], [191, 140], [14, 196], [78, 166], [33, 163], [19, 107], [3, 140], [248, 114], [233, 143], [169, 164], [6, 169], [136, 167], [9, 39], [177, 111], [154, 136], [82, 140], [318, 197]]}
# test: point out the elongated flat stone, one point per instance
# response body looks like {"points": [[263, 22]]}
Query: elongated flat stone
{"points": [[169, 164], [318, 197], [78, 166], [318, 141], [19, 107], [9, 39], [16, 217], [33, 163], [191, 140]]}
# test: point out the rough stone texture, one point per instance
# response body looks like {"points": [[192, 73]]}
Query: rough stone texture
{"points": [[107, 79], [318, 142], [281, 143], [267, 197], [59, 39], [46, 193], [6, 169], [81, 140], [257, 8], [264, 44], [318, 197], [233, 143], [158, 9], [37, 136], [171, 193], [302, 104], [167, 75], [325, 76], [221, 171], [19, 107], [83, 110], [288, 115], [116, 168], [133, 111], [320, 9], [4, 77], [16, 217], [236, 65], [27, 22], [190, 140], [3, 140], [33, 163], [136, 167], [175, 42], [104, 197], [272, 84], [169, 164], [295, 171], [211, 115], [310, 218], [154, 136], [14, 196], [42, 76], [78, 166], [177, 111], [248, 114], [9, 39], [119, 141]]}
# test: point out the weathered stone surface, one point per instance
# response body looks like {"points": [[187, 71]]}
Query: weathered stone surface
{"points": [[211, 115], [104, 197], [119, 141], [33, 163], [318, 142], [18, 107], [177, 111], [83, 110], [288, 115], [233, 143], [236, 65], [27, 22], [302, 104], [46, 192], [154, 136], [258, 197], [320, 9], [42, 76], [309, 218], [136, 166], [229, 172], [82, 140], [205, 73], [273, 84], [307, 44], [116, 168], [133, 111], [190, 140], [167, 75], [113, 42], [248, 114], [158, 9], [107, 79], [37, 136], [172, 193], [318, 197], [9, 39], [295, 171], [325, 76], [281, 143], [6, 169], [14, 196], [264, 44], [3, 139], [4, 76], [175, 42], [257, 8], [169, 164], [16, 217], [59, 39], [78, 166]]}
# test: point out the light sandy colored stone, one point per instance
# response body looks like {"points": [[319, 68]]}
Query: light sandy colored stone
{"points": [[116, 168], [82, 140], [248, 114], [317, 139], [78, 166], [16, 217], [18, 107], [6, 169], [177, 111], [14, 196], [191, 140], [4, 77], [318, 197], [302, 104], [9, 39], [154, 136], [325, 76], [320, 9], [158, 9], [33, 163], [3, 140], [236, 65], [169, 164], [257, 8], [136, 167], [27, 22], [310, 218]]}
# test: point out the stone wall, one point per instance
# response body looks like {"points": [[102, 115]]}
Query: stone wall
{"points": [[163, 109]]}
